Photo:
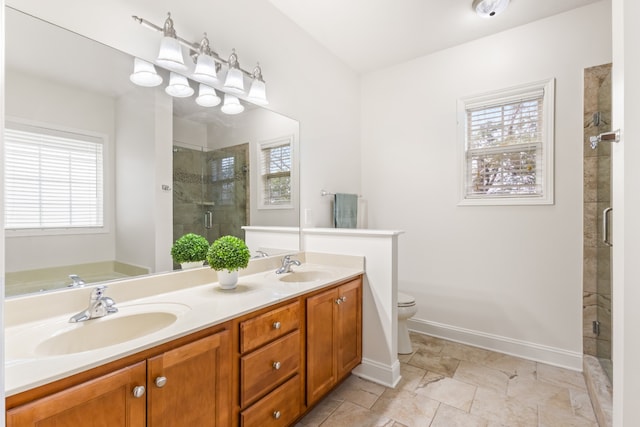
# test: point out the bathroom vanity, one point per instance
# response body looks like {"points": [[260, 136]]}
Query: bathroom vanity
{"points": [[263, 354]]}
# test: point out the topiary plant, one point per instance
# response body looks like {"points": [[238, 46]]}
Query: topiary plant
{"points": [[228, 253], [190, 248]]}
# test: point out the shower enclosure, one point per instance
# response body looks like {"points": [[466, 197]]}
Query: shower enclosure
{"points": [[210, 191], [596, 212]]}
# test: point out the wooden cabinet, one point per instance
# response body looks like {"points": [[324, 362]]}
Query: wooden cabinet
{"points": [[108, 401], [334, 337], [186, 385], [190, 385], [270, 361]]}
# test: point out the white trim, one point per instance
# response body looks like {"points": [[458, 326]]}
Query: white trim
{"points": [[502, 95], [527, 350], [388, 376]]}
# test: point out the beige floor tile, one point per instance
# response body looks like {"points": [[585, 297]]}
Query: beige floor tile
{"points": [[501, 409], [550, 416], [511, 365], [581, 403], [536, 392], [411, 377], [447, 390], [358, 391], [444, 365], [446, 416], [465, 352], [426, 343], [321, 412], [482, 377], [561, 377], [408, 408], [351, 415]]}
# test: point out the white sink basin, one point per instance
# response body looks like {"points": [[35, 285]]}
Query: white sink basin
{"points": [[56, 336], [104, 332], [304, 276]]}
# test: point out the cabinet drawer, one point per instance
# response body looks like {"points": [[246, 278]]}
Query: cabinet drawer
{"points": [[269, 326], [264, 369], [278, 409]]}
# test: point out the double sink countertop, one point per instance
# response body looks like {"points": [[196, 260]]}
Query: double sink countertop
{"points": [[41, 346]]}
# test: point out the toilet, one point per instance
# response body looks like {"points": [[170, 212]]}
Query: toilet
{"points": [[406, 310]]}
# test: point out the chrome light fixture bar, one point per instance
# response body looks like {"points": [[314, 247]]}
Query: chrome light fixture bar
{"points": [[208, 65]]}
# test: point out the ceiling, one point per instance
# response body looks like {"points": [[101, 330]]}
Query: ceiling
{"points": [[372, 34]]}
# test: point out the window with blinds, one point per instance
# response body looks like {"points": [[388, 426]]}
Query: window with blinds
{"points": [[53, 179], [223, 176], [275, 165], [508, 146]]}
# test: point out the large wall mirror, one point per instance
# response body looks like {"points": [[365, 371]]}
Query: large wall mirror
{"points": [[158, 166]]}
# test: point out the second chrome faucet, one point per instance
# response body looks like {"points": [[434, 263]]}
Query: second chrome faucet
{"points": [[287, 262], [99, 306]]}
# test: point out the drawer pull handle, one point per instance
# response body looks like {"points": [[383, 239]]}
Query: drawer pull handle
{"points": [[276, 415], [138, 391], [277, 365], [276, 325], [161, 381]]}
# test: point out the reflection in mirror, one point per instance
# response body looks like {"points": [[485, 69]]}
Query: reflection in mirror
{"points": [[169, 167]]}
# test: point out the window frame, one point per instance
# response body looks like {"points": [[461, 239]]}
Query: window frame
{"points": [[261, 146], [101, 138], [545, 159]]}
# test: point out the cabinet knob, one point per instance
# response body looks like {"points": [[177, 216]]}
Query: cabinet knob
{"points": [[338, 301], [277, 365], [138, 391], [343, 298], [276, 325], [160, 382], [276, 415]]}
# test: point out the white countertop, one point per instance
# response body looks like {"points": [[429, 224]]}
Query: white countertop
{"points": [[196, 305]]}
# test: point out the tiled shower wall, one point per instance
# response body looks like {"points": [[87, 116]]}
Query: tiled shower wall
{"points": [[597, 197]]}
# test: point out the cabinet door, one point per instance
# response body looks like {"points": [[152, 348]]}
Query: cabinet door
{"points": [[321, 368], [107, 401], [349, 327], [191, 385]]}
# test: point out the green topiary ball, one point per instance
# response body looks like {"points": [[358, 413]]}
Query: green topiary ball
{"points": [[190, 248], [228, 253]]}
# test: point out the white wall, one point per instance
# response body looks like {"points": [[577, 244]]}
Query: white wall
{"points": [[31, 99], [502, 277], [304, 81], [626, 211]]}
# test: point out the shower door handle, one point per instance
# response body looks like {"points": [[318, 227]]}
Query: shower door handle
{"points": [[208, 220], [605, 226]]}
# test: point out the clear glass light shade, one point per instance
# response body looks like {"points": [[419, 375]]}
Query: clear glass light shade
{"points": [[258, 92], [206, 69], [179, 86], [144, 74], [170, 55], [234, 81], [490, 8], [231, 105], [207, 96]]}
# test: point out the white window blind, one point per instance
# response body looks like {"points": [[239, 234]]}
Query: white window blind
{"points": [[223, 175], [53, 179], [508, 147], [276, 173]]}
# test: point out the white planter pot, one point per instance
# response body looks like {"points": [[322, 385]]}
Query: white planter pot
{"points": [[188, 265], [228, 280]]}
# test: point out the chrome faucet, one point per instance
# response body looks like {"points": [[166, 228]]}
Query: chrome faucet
{"points": [[76, 281], [287, 262], [99, 306]]}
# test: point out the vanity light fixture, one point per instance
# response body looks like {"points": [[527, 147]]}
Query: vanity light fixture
{"points": [[489, 8], [170, 55], [208, 67], [178, 86], [231, 105], [145, 74], [207, 96], [258, 90]]}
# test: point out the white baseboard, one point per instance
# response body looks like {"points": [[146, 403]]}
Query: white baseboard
{"points": [[527, 350], [388, 376]]}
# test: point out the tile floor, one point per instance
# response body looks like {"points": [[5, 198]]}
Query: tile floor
{"points": [[446, 384]]}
